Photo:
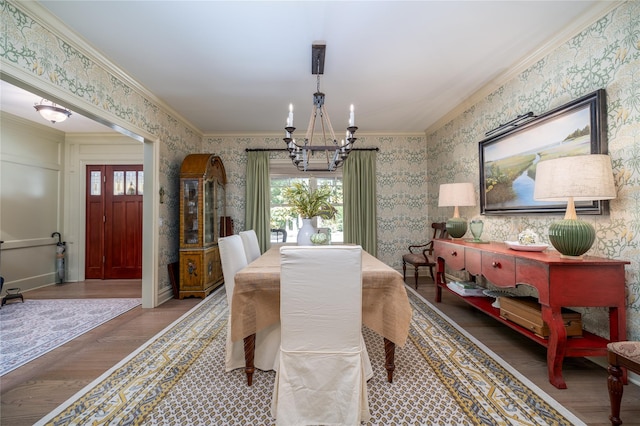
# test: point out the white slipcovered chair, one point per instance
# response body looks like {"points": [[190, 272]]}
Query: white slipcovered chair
{"points": [[251, 245], [233, 258], [323, 364]]}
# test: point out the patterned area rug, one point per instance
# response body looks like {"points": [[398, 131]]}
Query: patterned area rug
{"points": [[442, 377], [35, 327]]}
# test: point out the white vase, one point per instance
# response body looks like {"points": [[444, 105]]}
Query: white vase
{"points": [[305, 232]]}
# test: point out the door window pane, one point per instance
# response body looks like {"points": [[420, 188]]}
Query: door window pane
{"points": [[140, 182], [96, 182], [131, 182], [118, 183]]}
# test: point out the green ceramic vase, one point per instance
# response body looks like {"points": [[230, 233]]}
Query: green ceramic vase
{"points": [[572, 237], [456, 227]]}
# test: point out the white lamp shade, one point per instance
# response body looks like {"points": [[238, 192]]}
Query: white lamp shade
{"points": [[583, 177], [456, 194]]}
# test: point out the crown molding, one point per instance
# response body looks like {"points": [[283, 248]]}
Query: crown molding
{"points": [[597, 11], [52, 23]]}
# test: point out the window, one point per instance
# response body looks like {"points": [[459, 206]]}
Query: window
{"points": [[133, 181], [286, 222]]}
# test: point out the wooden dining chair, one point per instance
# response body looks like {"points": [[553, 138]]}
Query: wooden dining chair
{"points": [[323, 362], [620, 355], [251, 244], [233, 259], [422, 255]]}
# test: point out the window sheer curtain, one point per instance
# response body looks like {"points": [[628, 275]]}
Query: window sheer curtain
{"points": [[258, 197], [359, 189]]}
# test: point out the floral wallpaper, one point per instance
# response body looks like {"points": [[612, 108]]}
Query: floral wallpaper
{"points": [[604, 55], [410, 167], [401, 185], [28, 50]]}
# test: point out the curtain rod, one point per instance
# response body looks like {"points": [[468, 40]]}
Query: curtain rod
{"points": [[285, 149]]}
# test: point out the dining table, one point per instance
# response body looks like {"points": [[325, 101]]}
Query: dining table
{"points": [[256, 304]]}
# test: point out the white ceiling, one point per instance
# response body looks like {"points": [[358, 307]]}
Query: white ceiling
{"points": [[234, 66]]}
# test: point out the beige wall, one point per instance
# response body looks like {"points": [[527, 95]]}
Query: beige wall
{"points": [[31, 187]]}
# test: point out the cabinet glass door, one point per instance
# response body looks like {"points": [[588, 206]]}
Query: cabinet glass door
{"points": [[220, 209], [190, 214], [209, 216]]}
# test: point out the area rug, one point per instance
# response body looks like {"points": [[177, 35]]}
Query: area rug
{"points": [[31, 329], [442, 377]]}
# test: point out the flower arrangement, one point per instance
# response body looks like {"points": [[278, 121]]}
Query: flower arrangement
{"points": [[309, 203]]}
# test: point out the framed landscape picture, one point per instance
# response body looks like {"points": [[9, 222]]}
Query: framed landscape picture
{"points": [[508, 160]]}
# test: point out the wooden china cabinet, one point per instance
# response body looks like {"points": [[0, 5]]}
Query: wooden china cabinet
{"points": [[202, 204]]}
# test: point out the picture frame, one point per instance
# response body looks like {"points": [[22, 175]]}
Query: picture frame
{"points": [[508, 159]]}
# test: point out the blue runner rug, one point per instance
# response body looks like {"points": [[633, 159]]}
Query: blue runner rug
{"points": [[35, 327]]}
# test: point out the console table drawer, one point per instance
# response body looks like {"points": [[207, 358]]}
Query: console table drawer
{"points": [[453, 255], [499, 269]]}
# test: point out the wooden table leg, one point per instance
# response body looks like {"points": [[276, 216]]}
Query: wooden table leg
{"points": [[390, 354], [557, 345], [249, 352]]}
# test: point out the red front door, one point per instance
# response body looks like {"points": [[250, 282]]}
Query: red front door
{"points": [[114, 222]]}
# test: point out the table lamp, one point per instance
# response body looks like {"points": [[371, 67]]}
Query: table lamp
{"points": [[456, 194], [570, 179]]}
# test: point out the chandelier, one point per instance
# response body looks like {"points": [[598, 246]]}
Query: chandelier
{"points": [[52, 112], [334, 152]]}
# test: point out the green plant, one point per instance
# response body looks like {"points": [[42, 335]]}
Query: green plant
{"points": [[309, 203]]}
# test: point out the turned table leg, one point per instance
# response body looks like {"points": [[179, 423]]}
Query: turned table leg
{"points": [[249, 352], [614, 383], [389, 353]]}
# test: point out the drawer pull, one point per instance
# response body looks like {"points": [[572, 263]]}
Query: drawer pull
{"points": [[496, 264], [454, 253]]}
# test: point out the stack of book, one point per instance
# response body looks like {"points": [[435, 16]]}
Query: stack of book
{"points": [[466, 288]]}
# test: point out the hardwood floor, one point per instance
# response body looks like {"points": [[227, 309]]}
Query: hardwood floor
{"points": [[586, 397], [30, 392], [33, 390]]}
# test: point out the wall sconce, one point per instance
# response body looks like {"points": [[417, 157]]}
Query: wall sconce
{"points": [[570, 179], [456, 194]]}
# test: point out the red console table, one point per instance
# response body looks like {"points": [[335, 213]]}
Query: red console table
{"points": [[560, 282]]}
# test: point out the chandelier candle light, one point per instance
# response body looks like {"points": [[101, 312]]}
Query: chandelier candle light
{"points": [[335, 153], [456, 194]]}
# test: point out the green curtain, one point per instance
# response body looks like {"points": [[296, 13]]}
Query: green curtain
{"points": [[359, 190], [258, 197]]}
